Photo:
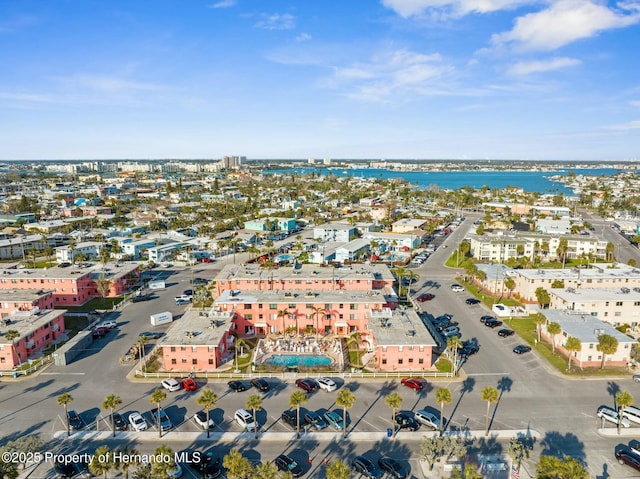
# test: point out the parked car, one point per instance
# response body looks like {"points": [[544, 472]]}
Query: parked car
{"points": [[492, 323], [109, 324], [209, 466], [141, 297], [486, 318], [327, 384], [161, 419], [290, 416], [287, 464], [449, 330], [75, 421], [521, 349], [118, 422], [200, 281], [308, 385], [452, 334], [628, 458], [392, 467], [472, 301], [64, 470], [188, 384], [150, 335], [425, 297], [440, 328], [636, 378], [260, 384], [468, 348], [506, 332], [97, 333], [405, 420], [334, 419], [412, 383], [137, 422], [613, 416], [366, 467], [428, 419], [200, 418], [456, 288], [237, 386], [245, 419], [315, 419], [171, 384]]}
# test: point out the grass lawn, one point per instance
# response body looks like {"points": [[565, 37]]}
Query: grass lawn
{"points": [[74, 324], [94, 304]]}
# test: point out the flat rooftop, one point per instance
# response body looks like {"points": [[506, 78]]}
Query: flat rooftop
{"points": [[23, 295], [584, 295], [232, 297], [399, 328], [25, 322], [599, 271], [197, 328], [585, 327]]}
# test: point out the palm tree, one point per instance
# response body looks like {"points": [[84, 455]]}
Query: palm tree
{"points": [[317, 311], [112, 402], [553, 328], [561, 251], [539, 320], [338, 469], [491, 395], [572, 344], [142, 340], [266, 470], [131, 453], [283, 314], [156, 398], [453, 344], [102, 461], [237, 466], [393, 400], [254, 402], [207, 400], [163, 468], [510, 284], [443, 396], [239, 344], [518, 452], [72, 248], [296, 399], [63, 400], [623, 400], [345, 400], [607, 344]]}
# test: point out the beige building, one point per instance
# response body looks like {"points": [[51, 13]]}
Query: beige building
{"points": [[407, 225]]}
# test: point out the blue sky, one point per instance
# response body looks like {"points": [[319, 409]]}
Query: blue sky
{"points": [[100, 79]]}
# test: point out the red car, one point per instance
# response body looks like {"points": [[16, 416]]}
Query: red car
{"points": [[189, 384], [412, 383], [307, 385], [425, 297]]}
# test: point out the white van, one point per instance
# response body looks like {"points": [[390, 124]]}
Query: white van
{"points": [[632, 414]]}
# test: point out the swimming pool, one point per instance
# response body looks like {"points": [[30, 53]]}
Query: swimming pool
{"points": [[282, 258], [298, 360]]}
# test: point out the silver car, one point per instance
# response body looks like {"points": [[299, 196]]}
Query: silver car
{"points": [[611, 415]]}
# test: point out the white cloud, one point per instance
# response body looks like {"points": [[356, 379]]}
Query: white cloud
{"points": [[635, 103], [223, 4], [538, 66], [303, 37], [276, 21], [630, 125], [457, 8], [106, 84], [566, 21]]}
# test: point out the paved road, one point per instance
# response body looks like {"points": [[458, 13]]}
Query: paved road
{"points": [[561, 410]]}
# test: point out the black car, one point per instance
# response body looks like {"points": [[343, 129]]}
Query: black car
{"points": [[237, 386], [521, 349], [506, 332], [75, 421], [315, 419], [492, 323], [444, 317], [63, 470], [118, 422], [141, 297], [307, 385], [260, 384], [443, 326], [150, 335], [208, 465], [290, 416], [627, 457], [392, 467], [472, 301], [287, 464], [468, 348], [366, 467], [486, 318], [404, 420]]}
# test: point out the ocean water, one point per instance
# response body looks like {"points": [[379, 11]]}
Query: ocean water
{"points": [[530, 181]]}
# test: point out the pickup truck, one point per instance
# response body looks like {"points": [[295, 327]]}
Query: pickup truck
{"points": [[183, 298]]}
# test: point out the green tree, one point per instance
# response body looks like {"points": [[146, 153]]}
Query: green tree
{"points": [[557, 283], [623, 401], [553, 329], [130, 452], [518, 452], [572, 345], [542, 295], [237, 466], [431, 450], [102, 461], [254, 402], [491, 395], [283, 313], [551, 467], [296, 399], [156, 398], [207, 400], [338, 469], [454, 343], [609, 249], [393, 400], [607, 344], [266, 470], [111, 402], [562, 250], [162, 469], [345, 400], [443, 397], [510, 284], [63, 400]]}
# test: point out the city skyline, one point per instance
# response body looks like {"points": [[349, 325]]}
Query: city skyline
{"points": [[423, 79]]}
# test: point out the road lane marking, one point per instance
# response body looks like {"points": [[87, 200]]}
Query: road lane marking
{"points": [[61, 374]]}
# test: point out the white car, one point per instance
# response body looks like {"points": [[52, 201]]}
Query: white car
{"points": [[200, 418], [138, 423], [456, 288], [109, 324], [171, 384], [245, 419], [610, 415], [427, 419], [327, 384]]}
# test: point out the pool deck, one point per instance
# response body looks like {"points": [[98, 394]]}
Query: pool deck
{"points": [[311, 346]]}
